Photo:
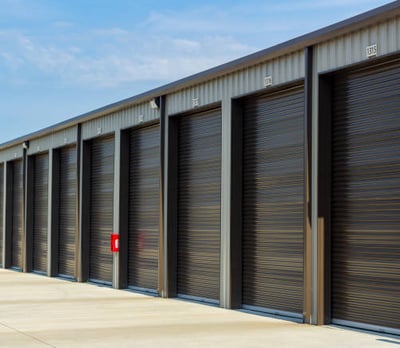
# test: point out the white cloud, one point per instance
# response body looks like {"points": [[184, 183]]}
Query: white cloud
{"points": [[212, 19], [109, 57], [164, 47]]}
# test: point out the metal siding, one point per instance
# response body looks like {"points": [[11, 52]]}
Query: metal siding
{"points": [[199, 205], [11, 153], [101, 209], [61, 138], [273, 201], [17, 214], [350, 48], [64, 137], [39, 145], [40, 212], [122, 119], [98, 127], [285, 69], [144, 207], [365, 198], [67, 211], [1, 212]]}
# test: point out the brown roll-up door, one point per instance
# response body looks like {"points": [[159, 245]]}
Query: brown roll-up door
{"points": [[17, 214], [144, 207], [1, 212], [40, 212], [67, 211], [101, 209], [273, 202], [366, 197], [199, 205]]}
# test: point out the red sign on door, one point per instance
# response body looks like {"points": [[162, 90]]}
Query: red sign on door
{"points": [[114, 242]]}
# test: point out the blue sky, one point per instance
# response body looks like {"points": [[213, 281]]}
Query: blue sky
{"points": [[62, 58]]}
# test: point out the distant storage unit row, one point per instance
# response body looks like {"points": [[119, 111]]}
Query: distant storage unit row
{"points": [[270, 184]]}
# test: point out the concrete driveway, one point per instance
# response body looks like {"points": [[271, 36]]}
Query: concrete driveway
{"points": [[37, 311]]}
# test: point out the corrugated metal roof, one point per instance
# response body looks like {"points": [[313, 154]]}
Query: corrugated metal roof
{"points": [[377, 15]]}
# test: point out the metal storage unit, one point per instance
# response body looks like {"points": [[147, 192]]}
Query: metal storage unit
{"points": [[101, 209], [273, 202], [245, 212], [365, 196], [1, 212], [144, 207], [199, 205], [17, 215], [67, 213], [40, 212]]}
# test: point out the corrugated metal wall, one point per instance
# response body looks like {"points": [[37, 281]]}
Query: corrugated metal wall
{"points": [[282, 70], [351, 48], [11, 153], [122, 119], [64, 137]]}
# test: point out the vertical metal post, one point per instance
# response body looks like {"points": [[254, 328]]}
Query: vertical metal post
{"points": [[324, 199], [235, 251], [7, 219], [79, 258], [50, 196], [161, 260], [225, 270], [314, 192], [3, 214], [164, 127], [116, 204], [123, 210], [26, 172], [308, 89], [170, 207]]}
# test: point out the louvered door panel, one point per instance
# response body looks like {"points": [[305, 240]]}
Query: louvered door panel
{"points": [[17, 214], [144, 207], [101, 209], [40, 212], [273, 202], [366, 196], [67, 211], [199, 205]]}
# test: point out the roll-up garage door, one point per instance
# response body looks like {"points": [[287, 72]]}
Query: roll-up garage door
{"points": [[40, 209], [17, 214], [101, 209], [366, 197], [199, 205], [67, 211], [273, 202], [144, 207], [1, 212]]}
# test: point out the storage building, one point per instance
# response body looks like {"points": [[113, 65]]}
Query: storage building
{"points": [[270, 183]]}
